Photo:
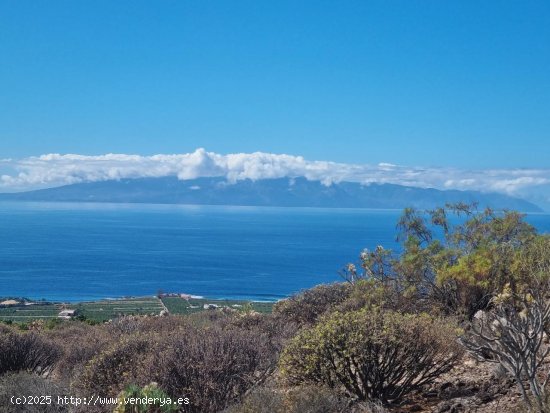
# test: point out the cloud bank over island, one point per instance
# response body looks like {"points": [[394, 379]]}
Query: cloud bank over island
{"points": [[55, 170]]}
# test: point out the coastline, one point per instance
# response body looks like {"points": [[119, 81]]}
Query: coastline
{"points": [[30, 301], [24, 310]]}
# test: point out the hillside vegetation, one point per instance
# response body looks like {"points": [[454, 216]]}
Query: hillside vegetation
{"points": [[456, 321]]}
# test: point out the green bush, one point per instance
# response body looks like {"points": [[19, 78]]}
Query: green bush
{"points": [[161, 403], [371, 354]]}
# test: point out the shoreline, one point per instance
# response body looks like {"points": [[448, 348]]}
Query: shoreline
{"points": [[18, 301], [24, 310]]}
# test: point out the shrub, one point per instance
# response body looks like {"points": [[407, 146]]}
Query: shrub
{"points": [[206, 318], [261, 400], [532, 264], [161, 403], [309, 305], [26, 351], [117, 366], [275, 330], [27, 384], [138, 324], [315, 399], [213, 367], [79, 343], [305, 399], [52, 323], [368, 293], [371, 354], [514, 334]]}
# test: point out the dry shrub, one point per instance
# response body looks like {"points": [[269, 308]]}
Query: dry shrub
{"points": [[26, 384], [382, 294], [207, 318], [313, 399], [261, 400], [309, 305], [26, 351], [80, 343], [306, 399], [117, 366], [514, 334], [372, 355], [212, 366], [124, 325], [276, 330], [161, 325], [128, 325]]}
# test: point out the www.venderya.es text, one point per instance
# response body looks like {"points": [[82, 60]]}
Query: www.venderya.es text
{"points": [[98, 401]]}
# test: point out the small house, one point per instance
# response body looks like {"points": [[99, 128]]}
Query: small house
{"points": [[67, 314]]}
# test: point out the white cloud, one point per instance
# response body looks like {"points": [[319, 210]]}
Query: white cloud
{"points": [[55, 169]]}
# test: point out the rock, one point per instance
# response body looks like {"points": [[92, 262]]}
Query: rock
{"points": [[443, 407], [454, 406], [484, 397], [445, 386], [431, 394]]}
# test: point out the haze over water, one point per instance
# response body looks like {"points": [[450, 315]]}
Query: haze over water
{"points": [[75, 252]]}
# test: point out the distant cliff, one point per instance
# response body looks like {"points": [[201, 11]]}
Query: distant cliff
{"points": [[297, 192]]}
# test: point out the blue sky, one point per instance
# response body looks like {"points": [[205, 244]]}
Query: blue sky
{"points": [[462, 84]]}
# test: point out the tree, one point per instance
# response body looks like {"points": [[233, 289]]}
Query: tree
{"points": [[457, 256]]}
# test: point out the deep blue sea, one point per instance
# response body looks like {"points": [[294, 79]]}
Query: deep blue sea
{"points": [[76, 252]]}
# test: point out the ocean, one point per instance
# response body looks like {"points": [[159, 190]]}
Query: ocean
{"points": [[79, 252]]}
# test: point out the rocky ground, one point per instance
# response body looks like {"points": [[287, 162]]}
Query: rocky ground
{"points": [[472, 387]]}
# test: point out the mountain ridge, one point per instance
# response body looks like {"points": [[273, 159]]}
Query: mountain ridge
{"points": [[290, 192]]}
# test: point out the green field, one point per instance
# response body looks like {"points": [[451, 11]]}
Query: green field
{"points": [[108, 309], [177, 305], [24, 313], [97, 310]]}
